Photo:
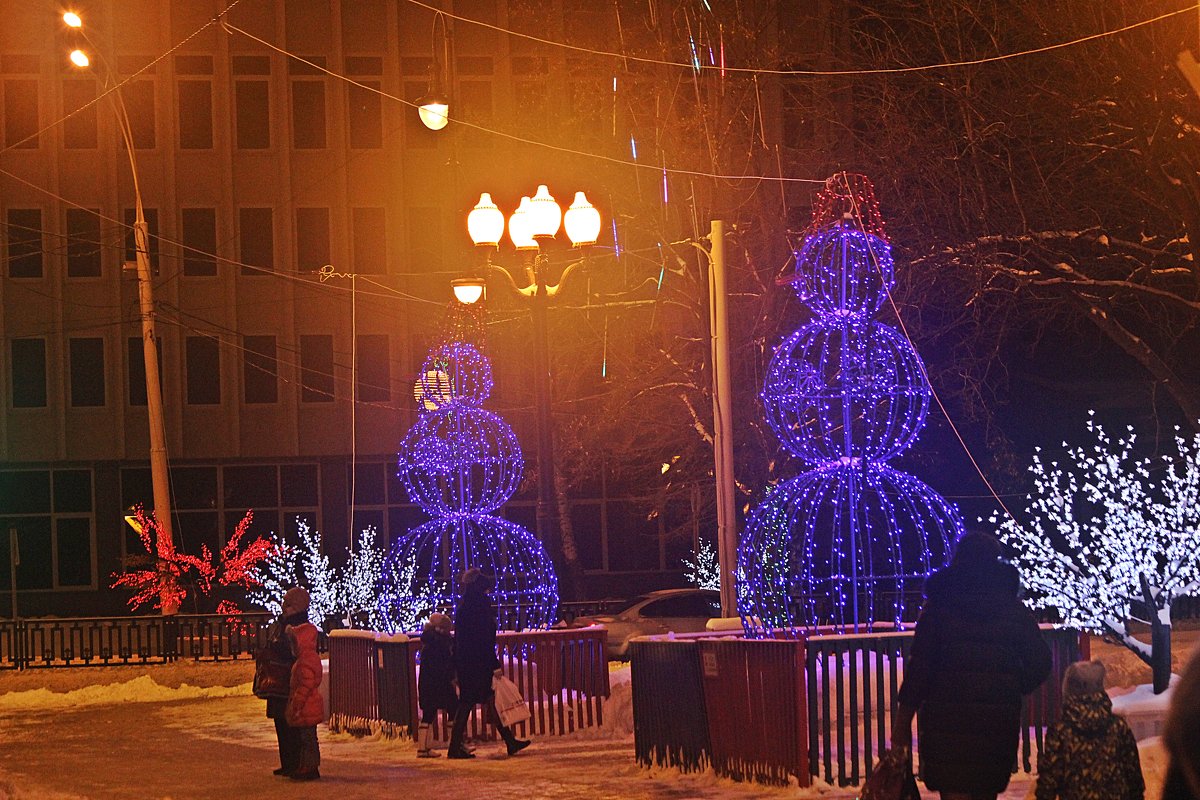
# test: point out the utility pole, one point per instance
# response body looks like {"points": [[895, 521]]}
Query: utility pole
{"points": [[141, 241], [722, 420]]}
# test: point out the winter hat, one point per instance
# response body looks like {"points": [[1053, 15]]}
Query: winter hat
{"points": [[1083, 677], [976, 547], [477, 578], [439, 622], [295, 600]]}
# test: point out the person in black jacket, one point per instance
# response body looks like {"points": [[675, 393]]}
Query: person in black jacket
{"points": [[435, 687], [976, 651], [294, 612], [475, 661]]}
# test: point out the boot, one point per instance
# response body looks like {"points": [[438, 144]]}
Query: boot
{"points": [[425, 741], [511, 741], [458, 734]]}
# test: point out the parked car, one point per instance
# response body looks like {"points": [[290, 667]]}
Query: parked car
{"points": [[666, 611]]}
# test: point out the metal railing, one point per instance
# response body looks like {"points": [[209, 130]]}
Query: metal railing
{"points": [[563, 675], [110, 641]]}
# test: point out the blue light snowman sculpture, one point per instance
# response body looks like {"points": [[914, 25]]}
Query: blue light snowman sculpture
{"points": [[460, 462], [848, 542]]}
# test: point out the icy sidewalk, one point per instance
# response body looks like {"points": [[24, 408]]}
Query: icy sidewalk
{"points": [[193, 731]]}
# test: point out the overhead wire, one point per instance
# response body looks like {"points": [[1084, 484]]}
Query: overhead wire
{"points": [[724, 68]]}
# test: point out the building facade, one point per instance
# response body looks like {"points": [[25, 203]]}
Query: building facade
{"points": [[304, 228]]}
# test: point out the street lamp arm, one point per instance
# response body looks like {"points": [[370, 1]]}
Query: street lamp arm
{"points": [[511, 282], [566, 277]]}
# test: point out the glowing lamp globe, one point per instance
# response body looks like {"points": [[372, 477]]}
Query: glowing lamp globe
{"points": [[485, 223], [467, 291], [520, 229], [582, 222], [434, 112], [545, 215], [432, 390], [79, 58], [72, 20]]}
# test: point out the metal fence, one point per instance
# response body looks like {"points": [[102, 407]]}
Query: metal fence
{"points": [[106, 641], [815, 707], [563, 675]]}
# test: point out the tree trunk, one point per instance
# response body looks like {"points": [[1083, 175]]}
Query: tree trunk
{"points": [[1160, 637], [1160, 655], [571, 587]]}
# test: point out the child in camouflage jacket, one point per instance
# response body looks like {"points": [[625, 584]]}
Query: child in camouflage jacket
{"points": [[1090, 752]]}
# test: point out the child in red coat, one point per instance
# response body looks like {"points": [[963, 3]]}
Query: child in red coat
{"points": [[305, 707]]}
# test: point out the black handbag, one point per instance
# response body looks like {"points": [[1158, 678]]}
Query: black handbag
{"points": [[271, 678], [892, 778]]}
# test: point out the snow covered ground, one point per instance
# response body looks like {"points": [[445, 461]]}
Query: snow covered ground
{"points": [[194, 731]]}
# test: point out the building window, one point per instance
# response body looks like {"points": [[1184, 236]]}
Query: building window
{"points": [[52, 514], [253, 111], [308, 115], [370, 240], [83, 243], [203, 371], [28, 373], [374, 369], [260, 369], [87, 372], [137, 371], [195, 115], [21, 113], [152, 240], [256, 238], [424, 236], [139, 106], [312, 238], [365, 116], [199, 242], [316, 369], [24, 236], [79, 127]]}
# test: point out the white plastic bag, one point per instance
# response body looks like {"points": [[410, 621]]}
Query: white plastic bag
{"points": [[509, 703]]}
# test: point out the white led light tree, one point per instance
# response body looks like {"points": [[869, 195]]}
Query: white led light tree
{"points": [[700, 567], [1110, 540]]}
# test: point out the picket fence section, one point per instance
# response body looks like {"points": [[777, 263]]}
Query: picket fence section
{"points": [[562, 674], [774, 711]]}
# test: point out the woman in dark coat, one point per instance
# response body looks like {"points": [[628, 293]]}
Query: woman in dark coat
{"points": [[475, 661], [279, 649], [976, 651]]}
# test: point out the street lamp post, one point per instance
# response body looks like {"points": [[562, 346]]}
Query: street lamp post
{"points": [[141, 237], [535, 222]]}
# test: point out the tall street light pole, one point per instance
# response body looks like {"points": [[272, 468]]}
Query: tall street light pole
{"points": [[141, 238], [535, 222]]}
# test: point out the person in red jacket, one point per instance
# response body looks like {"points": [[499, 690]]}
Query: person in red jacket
{"points": [[305, 707]]}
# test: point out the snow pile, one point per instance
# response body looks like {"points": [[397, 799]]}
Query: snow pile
{"points": [[1144, 710], [142, 689]]}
